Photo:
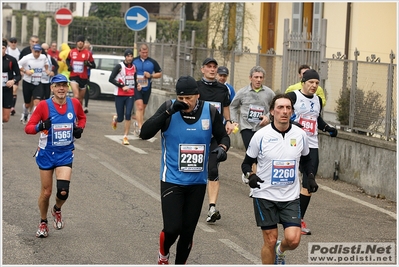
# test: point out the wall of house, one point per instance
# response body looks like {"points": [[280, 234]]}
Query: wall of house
{"points": [[373, 28]]}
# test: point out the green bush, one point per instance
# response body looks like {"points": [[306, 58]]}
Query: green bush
{"points": [[368, 109]]}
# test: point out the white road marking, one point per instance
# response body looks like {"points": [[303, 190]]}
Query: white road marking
{"points": [[205, 227], [118, 139], [133, 180], [241, 251], [369, 205]]}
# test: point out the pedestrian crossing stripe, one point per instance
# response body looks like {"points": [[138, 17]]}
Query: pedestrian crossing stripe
{"points": [[118, 139]]}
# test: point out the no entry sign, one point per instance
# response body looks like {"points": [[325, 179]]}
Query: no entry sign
{"points": [[63, 16]]}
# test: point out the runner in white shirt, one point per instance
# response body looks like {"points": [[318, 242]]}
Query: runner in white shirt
{"points": [[307, 112], [278, 148], [32, 65]]}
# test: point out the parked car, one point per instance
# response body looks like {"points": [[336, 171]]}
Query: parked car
{"points": [[99, 84]]}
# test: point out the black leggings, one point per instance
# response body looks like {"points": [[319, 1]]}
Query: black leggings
{"points": [[181, 209], [314, 158], [246, 136]]}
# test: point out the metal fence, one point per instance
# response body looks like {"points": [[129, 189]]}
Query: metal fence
{"points": [[361, 95], [364, 90]]}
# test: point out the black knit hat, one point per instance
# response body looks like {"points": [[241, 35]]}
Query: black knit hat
{"points": [[80, 38], [186, 85], [128, 52], [310, 74]]}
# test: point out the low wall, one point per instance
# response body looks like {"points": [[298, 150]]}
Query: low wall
{"points": [[367, 162]]}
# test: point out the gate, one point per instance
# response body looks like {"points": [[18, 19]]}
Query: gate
{"points": [[303, 48]]}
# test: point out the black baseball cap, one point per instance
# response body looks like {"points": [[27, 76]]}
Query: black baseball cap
{"points": [[13, 40], [209, 60], [223, 70]]}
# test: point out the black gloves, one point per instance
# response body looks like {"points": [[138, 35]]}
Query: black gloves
{"points": [[177, 106], [77, 132], [253, 181], [70, 68], [45, 125], [221, 154], [88, 63], [312, 185], [333, 132]]}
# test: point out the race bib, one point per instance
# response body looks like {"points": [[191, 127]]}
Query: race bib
{"points": [[62, 134], [78, 66], [191, 158], [283, 172], [4, 78], [254, 113], [36, 77], [142, 80], [129, 81], [217, 105], [308, 123]]}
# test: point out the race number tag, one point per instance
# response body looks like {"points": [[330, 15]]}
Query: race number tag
{"points": [[217, 105], [129, 81], [308, 123], [142, 80], [254, 113], [62, 134], [283, 172], [191, 158], [78, 66], [4, 78], [37, 76]]}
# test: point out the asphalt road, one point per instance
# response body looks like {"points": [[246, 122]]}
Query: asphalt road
{"points": [[113, 213]]}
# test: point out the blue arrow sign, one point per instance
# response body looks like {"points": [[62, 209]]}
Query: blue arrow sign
{"points": [[136, 18]]}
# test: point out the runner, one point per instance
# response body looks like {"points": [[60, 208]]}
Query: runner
{"points": [[124, 77], [59, 120], [32, 66]]}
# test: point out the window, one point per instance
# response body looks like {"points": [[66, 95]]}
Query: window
{"points": [[307, 16], [233, 16]]}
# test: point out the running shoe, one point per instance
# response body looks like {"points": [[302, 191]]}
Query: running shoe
{"points": [[12, 111], [114, 122], [29, 115], [137, 132], [244, 179], [163, 260], [43, 230], [280, 258], [304, 229], [24, 118], [86, 110], [125, 141], [213, 215], [58, 222]]}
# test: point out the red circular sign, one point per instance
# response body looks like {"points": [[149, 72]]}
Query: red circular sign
{"points": [[63, 16]]}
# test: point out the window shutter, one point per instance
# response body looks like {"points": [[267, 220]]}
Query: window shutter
{"points": [[297, 18], [317, 16]]}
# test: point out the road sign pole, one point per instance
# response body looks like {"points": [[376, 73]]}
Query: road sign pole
{"points": [[62, 34], [135, 38]]}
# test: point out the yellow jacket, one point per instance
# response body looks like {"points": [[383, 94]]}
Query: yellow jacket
{"points": [[298, 86], [64, 51]]}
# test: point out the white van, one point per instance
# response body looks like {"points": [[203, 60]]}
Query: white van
{"points": [[99, 84]]}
